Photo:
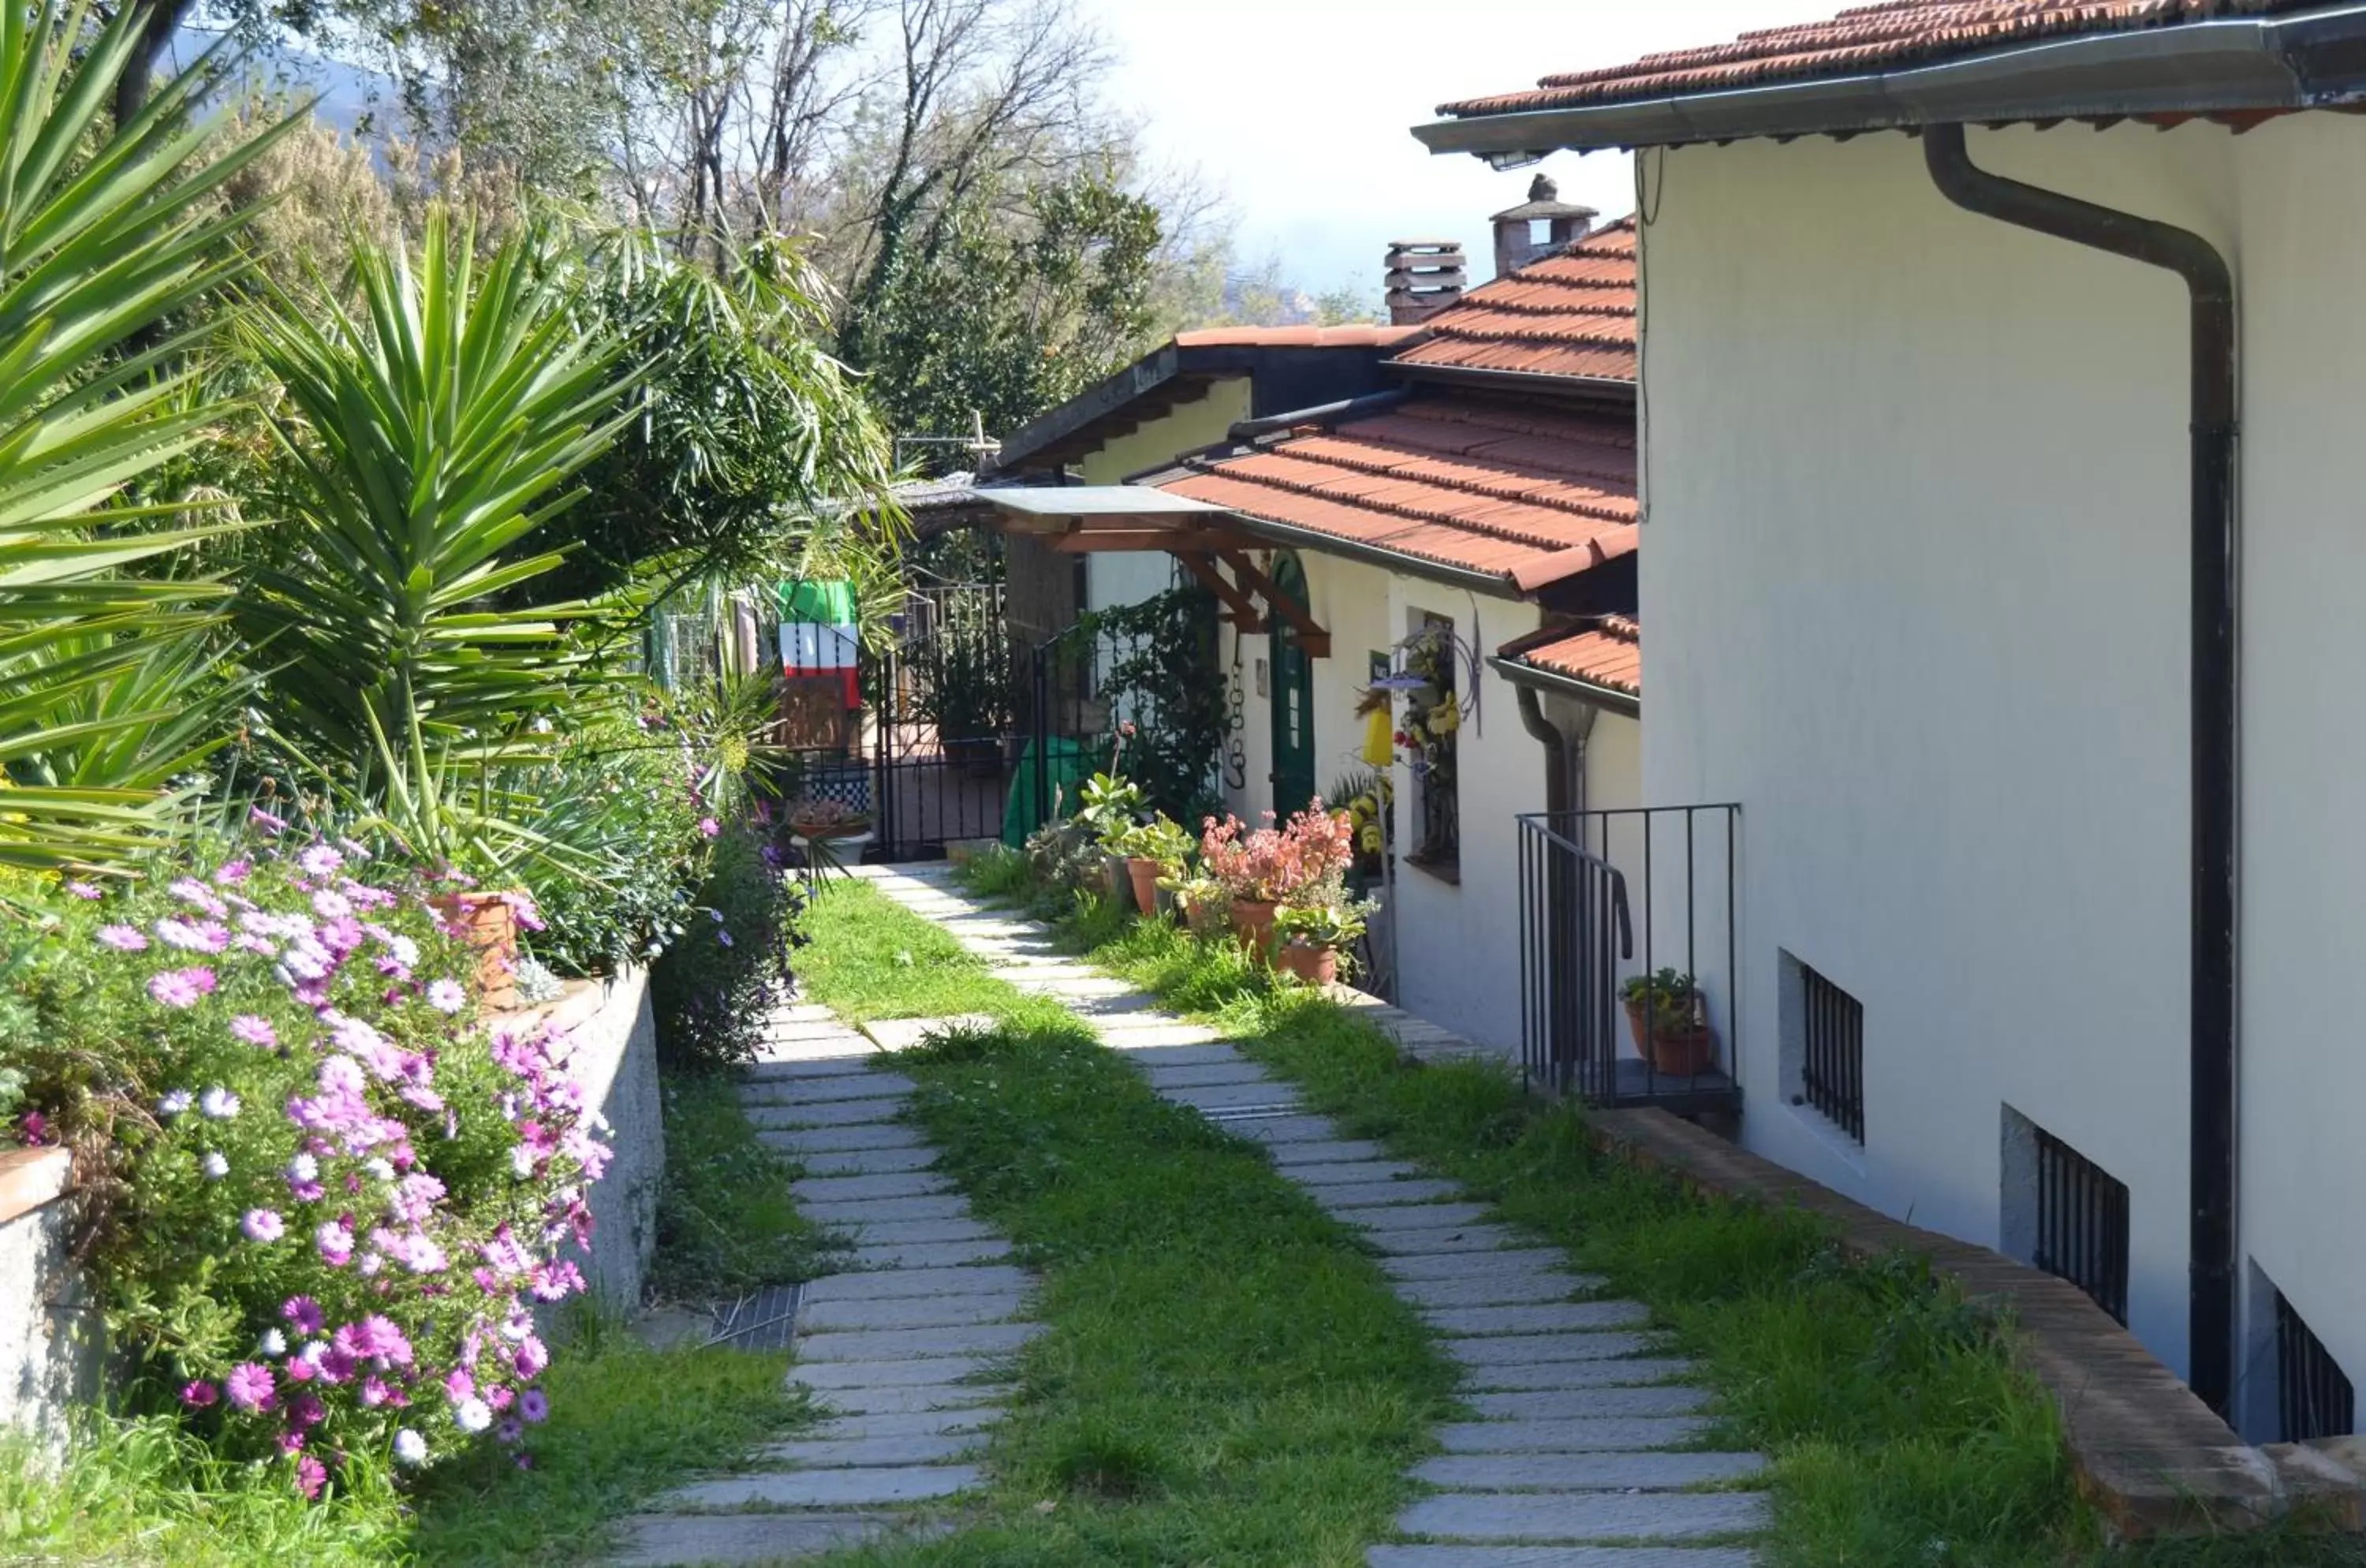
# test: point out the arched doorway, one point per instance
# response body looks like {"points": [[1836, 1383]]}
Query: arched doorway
{"points": [[1293, 698]]}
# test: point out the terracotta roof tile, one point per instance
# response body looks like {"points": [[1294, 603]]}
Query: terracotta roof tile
{"points": [[1867, 38], [1355, 335], [1570, 314], [1608, 653], [1532, 495]]}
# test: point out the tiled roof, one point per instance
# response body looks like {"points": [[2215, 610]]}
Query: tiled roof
{"points": [[1532, 495], [1360, 335], [1570, 314], [1608, 653], [1865, 39]]}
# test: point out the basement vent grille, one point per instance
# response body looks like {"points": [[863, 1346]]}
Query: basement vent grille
{"points": [[2082, 1224], [2313, 1398], [1832, 1064]]}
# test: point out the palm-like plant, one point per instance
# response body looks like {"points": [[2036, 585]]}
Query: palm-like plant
{"points": [[104, 233], [430, 434]]}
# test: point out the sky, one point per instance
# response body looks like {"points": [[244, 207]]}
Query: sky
{"points": [[1297, 114]]}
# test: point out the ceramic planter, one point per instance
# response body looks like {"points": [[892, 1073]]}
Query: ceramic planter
{"points": [[1144, 876], [1316, 965], [489, 926], [1253, 923], [1677, 1041]]}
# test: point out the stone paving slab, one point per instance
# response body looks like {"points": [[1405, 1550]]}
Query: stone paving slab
{"points": [[1351, 1172], [828, 1377], [1073, 982], [834, 1113], [1553, 1317], [863, 1083], [669, 1540], [869, 1212], [1619, 1432], [1583, 1516], [958, 1226], [903, 1033], [882, 1255], [818, 1067], [1141, 1034], [1092, 1008], [905, 1399], [1157, 1058], [1621, 1371], [1586, 1404], [915, 1423], [1292, 1129], [856, 1454], [1381, 1194], [1322, 1151], [889, 1346], [1165, 1075], [1585, 1473], [863, 1135], [781, 1053], [1522, 1350], [1457, 1266], [866, 1162], [1421, 1217], [907, 1311], [827, 1026], [1561, 1557], [1430, 1240], [1233, 1096], [1496, 1287], [863, 1488], [911, 1282], [821, 1190]]}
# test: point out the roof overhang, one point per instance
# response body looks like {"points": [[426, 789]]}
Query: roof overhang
{"points": [[1610, 698], [2242, 66]]}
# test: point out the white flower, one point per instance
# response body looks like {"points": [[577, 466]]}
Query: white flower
{"points": [[410, 1448], [405, 951], [381, 1169], [273, 1343], [214, 1165], [303, 1167], [472, 1415], [175, 1102], [218, 1103], [522, 1160]]}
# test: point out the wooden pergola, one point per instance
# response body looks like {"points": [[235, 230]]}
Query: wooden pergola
{"points": [[1209, 541]]}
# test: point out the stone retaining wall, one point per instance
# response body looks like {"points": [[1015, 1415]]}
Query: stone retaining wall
{"points": [[49, 1340]]}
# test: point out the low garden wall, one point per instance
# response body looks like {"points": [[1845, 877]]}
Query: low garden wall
{"points": [[50, 1341]]}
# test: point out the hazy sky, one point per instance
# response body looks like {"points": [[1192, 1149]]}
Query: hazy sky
{"points": [[1297, 112]]}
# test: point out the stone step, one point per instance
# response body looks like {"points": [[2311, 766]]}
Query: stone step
{"points": [[860, 1084], [1535, 1376], [911, 1423], [819, 1190], [984, 1399], [857, 1453], [1351, 1172], [895, 1346], [831, 1113], [1618, 1432], [1552, 1317], [866, 1162], [1561, 1557], [851, 1488], [827, 1378], [822, 1140], [1323, 1151], [1584, 1403], [676, 1540], [911, 1282], [1431, 1239], [869, 1213], [1459, 1266], [1585, 1473], [1520, 1350], [1141, 1034], [1379, 1195], [1159, 1058], [1492, 1287], [908, 1311], [1582, 1515], [986, 1248], [904, 1034], [1417, 1217], [1203, 1074], [822, 1067], [1291, 1129], [1231, 1097]]}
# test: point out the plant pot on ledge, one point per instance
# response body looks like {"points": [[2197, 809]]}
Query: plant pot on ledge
{"points": [[1144, 876], [1678, 1043], [1316, 965], [488, 925], [1253, 923]]}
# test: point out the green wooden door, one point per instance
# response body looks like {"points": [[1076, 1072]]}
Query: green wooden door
{"points": [[1293, 698]]}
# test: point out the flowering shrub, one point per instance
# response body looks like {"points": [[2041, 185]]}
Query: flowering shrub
{"points": [[329, 1196], [718, 984], [1275, 866]]}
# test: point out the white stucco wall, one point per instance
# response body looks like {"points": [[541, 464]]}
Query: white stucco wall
{"points": [[1127, 577], [1916, 582]]}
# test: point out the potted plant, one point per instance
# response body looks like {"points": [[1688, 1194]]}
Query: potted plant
{"points": [[1154, 850], [1317, 938], [1262, 870], [822, 820], [1110, 806], [1668, 1017]]}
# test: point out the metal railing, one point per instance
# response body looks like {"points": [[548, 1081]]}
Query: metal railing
{"points": [[1606, 897]]}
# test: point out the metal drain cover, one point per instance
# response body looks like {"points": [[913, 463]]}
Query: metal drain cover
{"points": [[763, 1320]]}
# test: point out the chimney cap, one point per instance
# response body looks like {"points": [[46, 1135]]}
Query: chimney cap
{"points": [[1544, 202]]}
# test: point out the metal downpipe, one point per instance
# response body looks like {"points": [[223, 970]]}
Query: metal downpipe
{"points": [[2215, 696]]}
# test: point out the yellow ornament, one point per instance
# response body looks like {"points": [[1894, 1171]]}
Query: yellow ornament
{"points": [[1444, 719], [1379, 747]]}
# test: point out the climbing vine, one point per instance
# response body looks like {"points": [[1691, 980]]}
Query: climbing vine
{"points": [[1158, 667]]}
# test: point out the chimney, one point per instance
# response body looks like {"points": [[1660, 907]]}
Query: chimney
{"points": [[1539, 226], [1424, 277]]}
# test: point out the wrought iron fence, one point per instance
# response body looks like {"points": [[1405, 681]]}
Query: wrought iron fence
{"points": [[1607, 898]]}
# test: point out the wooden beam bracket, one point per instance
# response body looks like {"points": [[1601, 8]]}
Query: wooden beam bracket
{"points": [[1243, 610], [1310, 636]]}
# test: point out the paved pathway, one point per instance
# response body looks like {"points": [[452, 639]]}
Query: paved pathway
{"points": [[904, 1349], [1584, 1446]]}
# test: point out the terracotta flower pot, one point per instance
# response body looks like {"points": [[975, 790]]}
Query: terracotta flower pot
{"points": [[1316, 965], [489, 926], [1145, 873], [1253, 923], [1677, 1041]]}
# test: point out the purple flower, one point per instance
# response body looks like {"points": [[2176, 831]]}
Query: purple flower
{"points": [[310, 1476], [83, 890], [212, 936], [34, 1128], [532, 1357], [175, 1102], [251, 1388], [319, 860], [253, 1029], [335, 1242], [709, 827], [123, 939], [198, 1395], [233, 872], [218, 1103], [263, 1224], [331, 906], [535, 1406], [304, 1313], [446, 996], [509, 1430], [266, 821], [725, 938], [181, 987]]}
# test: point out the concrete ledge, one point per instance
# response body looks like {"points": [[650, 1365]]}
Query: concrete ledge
{"points": [[2147, 1453], [50, 1339], [31, 1178]]}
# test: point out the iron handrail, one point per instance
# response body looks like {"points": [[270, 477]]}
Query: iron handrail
{"points": [[1533, 821]]}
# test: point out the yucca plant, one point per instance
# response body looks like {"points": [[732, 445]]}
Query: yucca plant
{"points": [[105, 232], [431, 431]]}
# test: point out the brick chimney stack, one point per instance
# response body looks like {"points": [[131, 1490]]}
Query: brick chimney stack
{"points": [[1538, 227], [1424, 277]]}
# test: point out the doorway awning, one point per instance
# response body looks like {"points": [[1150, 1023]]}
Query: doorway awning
{"points": [[1205, 537]]}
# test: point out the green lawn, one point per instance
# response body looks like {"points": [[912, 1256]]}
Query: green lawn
{"points": [[1227, 1379]]}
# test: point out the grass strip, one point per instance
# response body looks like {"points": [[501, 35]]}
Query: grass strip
{"points": [[1226, 1378], [1899, 1428], [727, 1223]]}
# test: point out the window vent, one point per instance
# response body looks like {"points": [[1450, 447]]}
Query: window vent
{"points": [[2313, 1398], [1831, 1060], [2082, 1224]]}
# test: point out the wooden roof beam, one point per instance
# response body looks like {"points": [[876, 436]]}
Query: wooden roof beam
{"points": [[1243, 608], [1311, 636]]}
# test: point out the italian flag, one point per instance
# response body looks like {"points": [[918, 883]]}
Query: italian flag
{"points": [[817, 636]]}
